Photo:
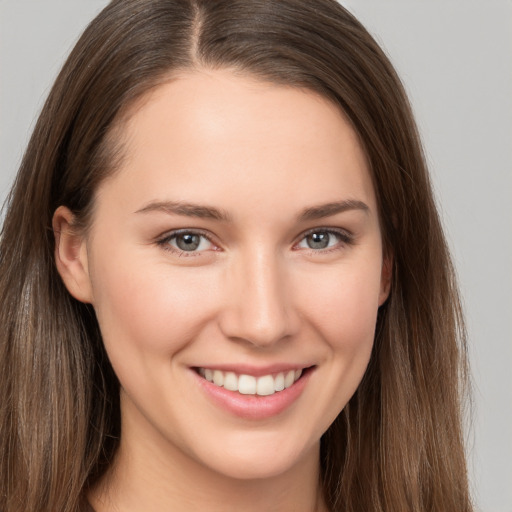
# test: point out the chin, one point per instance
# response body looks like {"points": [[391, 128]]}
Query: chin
{"points": [[257, 457]]}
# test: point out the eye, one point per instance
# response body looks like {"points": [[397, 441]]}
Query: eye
{"points": [[320, 239], [186, 242]]}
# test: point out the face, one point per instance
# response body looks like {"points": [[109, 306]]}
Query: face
{"points": [[235, 265]]}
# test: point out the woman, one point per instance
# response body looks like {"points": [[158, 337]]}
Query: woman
{"points": [[224, 283]]}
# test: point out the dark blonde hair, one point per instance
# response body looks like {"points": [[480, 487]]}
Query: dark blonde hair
{"points": [[398, 444]]}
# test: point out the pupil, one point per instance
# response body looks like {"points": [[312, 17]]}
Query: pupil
{"points": [[318, 240], [188, 242]]}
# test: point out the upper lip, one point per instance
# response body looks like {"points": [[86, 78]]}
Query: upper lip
{"points": [[256, 371]]}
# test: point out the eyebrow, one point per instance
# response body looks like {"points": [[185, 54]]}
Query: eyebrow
{"points": [[187, 210], [209, 212], [327, 210]]}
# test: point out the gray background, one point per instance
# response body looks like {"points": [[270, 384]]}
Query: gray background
{"points": [[455, 57]]}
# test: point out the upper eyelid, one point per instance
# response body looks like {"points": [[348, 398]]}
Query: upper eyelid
{"points": [[344, 233], [338, 231], [182, 231], [168, 235], [329, 229], [163, 240]]}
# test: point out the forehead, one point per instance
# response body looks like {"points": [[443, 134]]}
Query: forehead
{"points": [[202, 132]]}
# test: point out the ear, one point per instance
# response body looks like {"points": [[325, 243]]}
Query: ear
{"points": [[386, 277], [71, 255]]}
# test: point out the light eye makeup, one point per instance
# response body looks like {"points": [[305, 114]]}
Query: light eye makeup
{"points": [[186, 242], [325, 240], [193, 242]]}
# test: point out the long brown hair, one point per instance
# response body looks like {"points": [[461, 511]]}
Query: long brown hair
{"points": [[398, 444]]}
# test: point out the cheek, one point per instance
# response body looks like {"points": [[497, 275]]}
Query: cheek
{"points": [[343, 305], [349, 328], [148, 310]]}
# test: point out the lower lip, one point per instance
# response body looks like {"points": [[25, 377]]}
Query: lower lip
{"points": [[254, 407]]}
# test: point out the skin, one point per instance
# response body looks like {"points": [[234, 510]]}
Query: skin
{"points": [[255, 293]]}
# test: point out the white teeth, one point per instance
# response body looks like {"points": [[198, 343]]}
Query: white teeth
{"points": [[231, 381], [265, 385], [289, 379], [250, 385], [279, 382], [247, 385], [218, 378]]}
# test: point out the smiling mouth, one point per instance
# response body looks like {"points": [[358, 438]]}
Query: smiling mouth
{"points": [[244, 384]]}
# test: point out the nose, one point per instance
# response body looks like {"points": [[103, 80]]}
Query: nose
{"points": [[258, 305]]}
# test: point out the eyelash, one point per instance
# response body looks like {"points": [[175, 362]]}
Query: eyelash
{"points": [[165, 245], [345, 239]]}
